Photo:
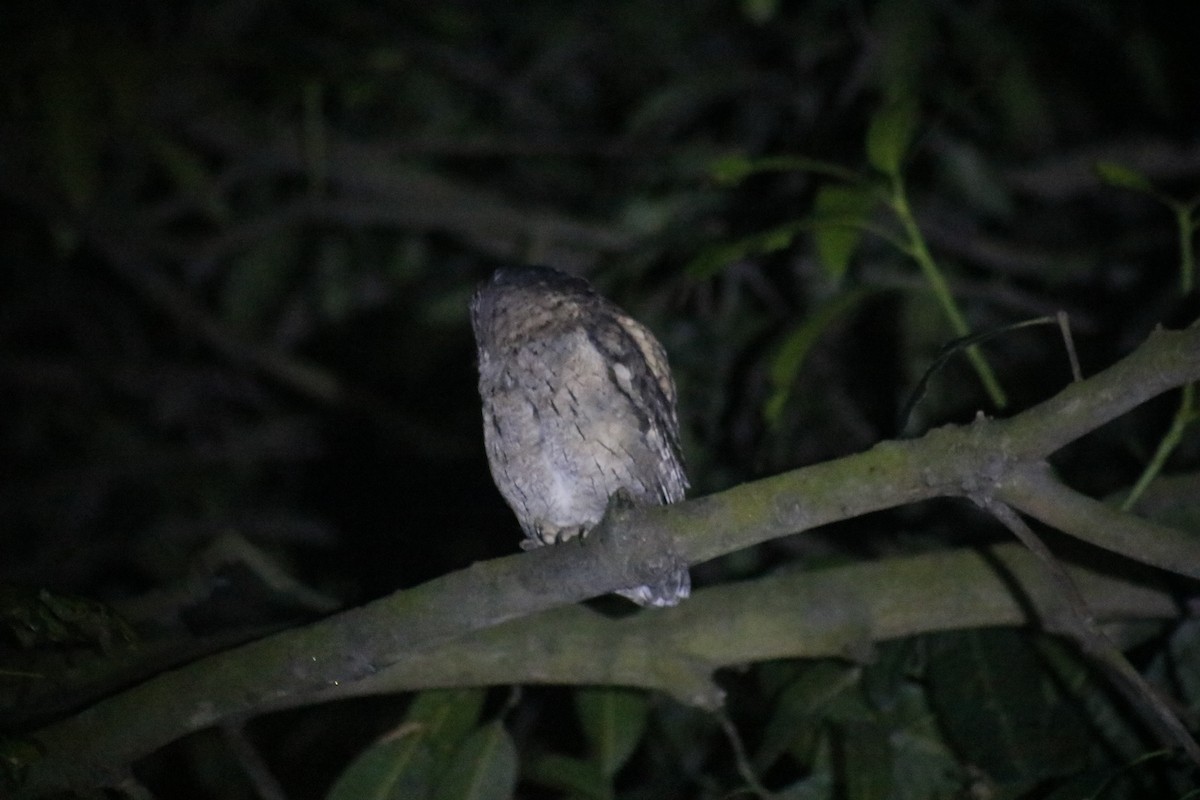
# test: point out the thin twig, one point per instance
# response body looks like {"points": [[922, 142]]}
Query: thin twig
{"points": [[1034, 490], [134, 789], [1081, 626], [1064, 325], [744, 767], [266, 785], [1185, 415]]}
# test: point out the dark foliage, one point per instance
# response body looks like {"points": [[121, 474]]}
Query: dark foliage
{"points": [[238, 385]]}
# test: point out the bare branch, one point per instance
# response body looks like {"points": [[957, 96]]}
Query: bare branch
{"points": [[1034, 490], [289, 667]]}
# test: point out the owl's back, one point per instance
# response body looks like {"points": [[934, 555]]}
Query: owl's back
{"points": [[578, 403]]}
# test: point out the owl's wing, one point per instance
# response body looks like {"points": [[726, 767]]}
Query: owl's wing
{"points": [[653, 354], [624, 341]]}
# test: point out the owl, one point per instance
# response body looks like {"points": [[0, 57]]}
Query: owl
{"points": [[578, 405]]}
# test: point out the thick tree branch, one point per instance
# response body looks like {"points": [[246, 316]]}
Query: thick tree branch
{"points": [[838, 612], [1035, 491], [94, 745], [949, 461]]}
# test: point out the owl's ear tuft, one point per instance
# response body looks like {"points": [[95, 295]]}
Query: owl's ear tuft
{"points": [[547, 277]]}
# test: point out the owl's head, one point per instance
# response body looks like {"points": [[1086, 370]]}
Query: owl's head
{"points": [[519, 301], [540, 278]]}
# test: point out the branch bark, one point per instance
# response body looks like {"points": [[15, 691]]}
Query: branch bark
{"points": [[837, 612], [986, 457]]}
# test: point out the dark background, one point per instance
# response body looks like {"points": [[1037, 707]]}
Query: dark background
{"points": [[238, 240]]}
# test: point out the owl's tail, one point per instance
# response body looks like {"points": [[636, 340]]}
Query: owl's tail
{"points": [[675, 587]]}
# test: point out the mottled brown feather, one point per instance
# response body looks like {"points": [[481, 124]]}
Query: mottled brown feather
{"points": [[578, 405]]}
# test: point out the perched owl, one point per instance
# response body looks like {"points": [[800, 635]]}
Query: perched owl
{"points": [[578, 403]]}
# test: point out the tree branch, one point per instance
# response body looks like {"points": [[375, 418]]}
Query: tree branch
{"points": [[1083, 629], [948, 461], [96, 744], [1034, 490], [835, 612]]}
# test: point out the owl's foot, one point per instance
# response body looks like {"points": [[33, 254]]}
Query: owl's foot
{"points": [[547, 534]]}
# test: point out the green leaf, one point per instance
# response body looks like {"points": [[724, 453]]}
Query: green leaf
{"points": [[16, 756], [923, 765], [258, 280], [988, 690], [732, 169], [613, 719], [1149, 63], [575, 776], [968, 169], [447, 716], [674, 104], [1184, 648], [713, 260], [396, 768], [867, 761], [1096, 784], [1123, 177], [1022, 101], [42, 618], [838, 215], [334, 280], [819, 786], [890, 133], [886, 678], [1106, 714], [427, 746], [985, 686], [191, 175], [907, 41], [790, 357], [75, 126], [825, 689], [820, 783], [760, 11], [484, 768]]}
